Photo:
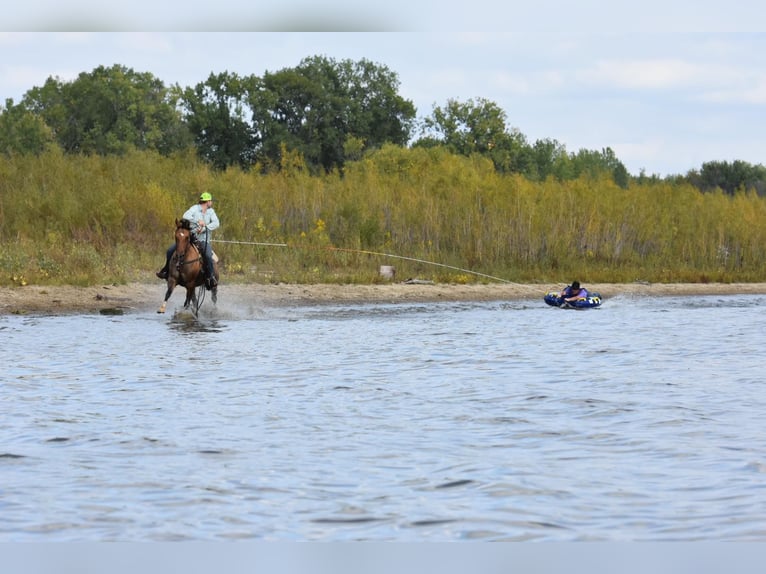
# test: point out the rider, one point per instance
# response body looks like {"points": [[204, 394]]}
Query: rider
{"points": [[573, 292], [204, 220]]}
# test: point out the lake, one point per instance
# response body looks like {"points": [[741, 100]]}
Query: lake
{"points": [[641, 420]]}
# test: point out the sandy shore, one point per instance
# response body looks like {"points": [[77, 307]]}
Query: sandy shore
{"points": [[59, 300]]}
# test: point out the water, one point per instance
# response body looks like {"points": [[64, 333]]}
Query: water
{"points": [[512, 421]]}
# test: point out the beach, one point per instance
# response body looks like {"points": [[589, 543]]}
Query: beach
{"points": [[37, 299]]}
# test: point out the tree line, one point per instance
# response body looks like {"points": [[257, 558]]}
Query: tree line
{"points": [[325, 112]]}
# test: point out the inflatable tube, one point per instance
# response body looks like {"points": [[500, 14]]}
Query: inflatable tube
{"points": [[554, 299]]}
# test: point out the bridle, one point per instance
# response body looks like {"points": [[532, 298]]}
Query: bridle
{"points": [[182, 254]]}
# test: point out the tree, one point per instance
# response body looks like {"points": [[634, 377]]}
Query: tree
{"points": [[549, 158], [325, 109], [729, 177], [216, 115], [477, 126], [593, 163], [108, 110], [466, 127], [377, 114], [22, 132]]}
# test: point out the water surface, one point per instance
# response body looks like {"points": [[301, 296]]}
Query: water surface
{"points": [[513, 421]]}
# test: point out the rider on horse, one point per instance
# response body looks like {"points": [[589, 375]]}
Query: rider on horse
{"points": [[203, 221]]}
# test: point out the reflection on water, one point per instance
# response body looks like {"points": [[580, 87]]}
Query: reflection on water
{"points": [[186, 322], [640, 420]]}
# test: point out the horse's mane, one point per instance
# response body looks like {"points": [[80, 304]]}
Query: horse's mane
{"points": [[185, 224]]}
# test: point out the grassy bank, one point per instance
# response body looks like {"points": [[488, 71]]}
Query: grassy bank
{"points": [[84, 220]]}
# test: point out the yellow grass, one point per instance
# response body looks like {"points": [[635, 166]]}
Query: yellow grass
{"points": [[83, 220]]}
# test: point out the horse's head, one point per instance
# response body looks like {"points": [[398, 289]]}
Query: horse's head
{"points": [[182, 235], [185, 223]]}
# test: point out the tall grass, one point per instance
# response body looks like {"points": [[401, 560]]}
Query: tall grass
{"points": [[83, 220]]}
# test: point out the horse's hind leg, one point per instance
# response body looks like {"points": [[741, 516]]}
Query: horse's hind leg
{"points": [[217, 279], [191, 299]]}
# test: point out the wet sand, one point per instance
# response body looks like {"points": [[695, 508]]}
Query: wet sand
{"points": [[59, 300]]}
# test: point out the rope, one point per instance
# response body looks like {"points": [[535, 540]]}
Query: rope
{"points": [[421, 261], [250, 243], [200, 298], [379, 254]]}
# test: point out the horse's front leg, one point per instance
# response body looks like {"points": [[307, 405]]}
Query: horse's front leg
{"points": [[168, 293]]}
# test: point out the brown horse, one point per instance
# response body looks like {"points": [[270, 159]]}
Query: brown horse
{"points": [[186, 268]]}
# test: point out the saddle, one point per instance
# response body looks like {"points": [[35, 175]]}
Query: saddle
{"points": [[208, 273]]}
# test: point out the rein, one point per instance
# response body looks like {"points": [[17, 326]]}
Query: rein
{"points": [[182, 255], [181, 261]]}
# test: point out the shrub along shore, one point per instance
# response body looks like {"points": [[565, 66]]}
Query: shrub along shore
{"points": [[93, 220]]}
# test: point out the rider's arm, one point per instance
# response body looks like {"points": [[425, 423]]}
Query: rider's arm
{"points": [[214, 223], [192, 214]]}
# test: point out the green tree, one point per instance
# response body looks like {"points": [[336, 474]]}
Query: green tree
{"points": [[729, 177], [324, 109], [467, 127], [216, 115], [548, 156], [477, 126], [594, 163], [109, 110], [377, 113], [300, 110], [22, 131]]}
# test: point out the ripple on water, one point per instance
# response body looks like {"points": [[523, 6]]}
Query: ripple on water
{"points": [[406, 422]]}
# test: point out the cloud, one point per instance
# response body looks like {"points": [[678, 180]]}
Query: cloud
{"points": [[751, 91], [637, 154], [12, 38], [715, 83], [73, 38], [21, 78], [144, 42], [534, 83], [448, 79], [512, 83], [650, 74]]}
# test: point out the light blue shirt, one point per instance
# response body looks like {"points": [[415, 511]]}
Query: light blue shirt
{"points": [[194, 215]]}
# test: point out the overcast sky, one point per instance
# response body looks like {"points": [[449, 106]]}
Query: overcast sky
{"points": [[668, 86]]}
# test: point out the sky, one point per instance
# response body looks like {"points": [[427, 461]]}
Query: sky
{"points": [[667, 86]]}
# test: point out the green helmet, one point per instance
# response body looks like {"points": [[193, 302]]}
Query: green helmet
{"points": [[205, 197]]}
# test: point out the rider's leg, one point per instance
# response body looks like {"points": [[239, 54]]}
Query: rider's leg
{"points": [[207, 253], [163, 273]]}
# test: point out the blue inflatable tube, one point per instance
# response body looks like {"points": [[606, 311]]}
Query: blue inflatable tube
{"points": [[554, 299]]}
